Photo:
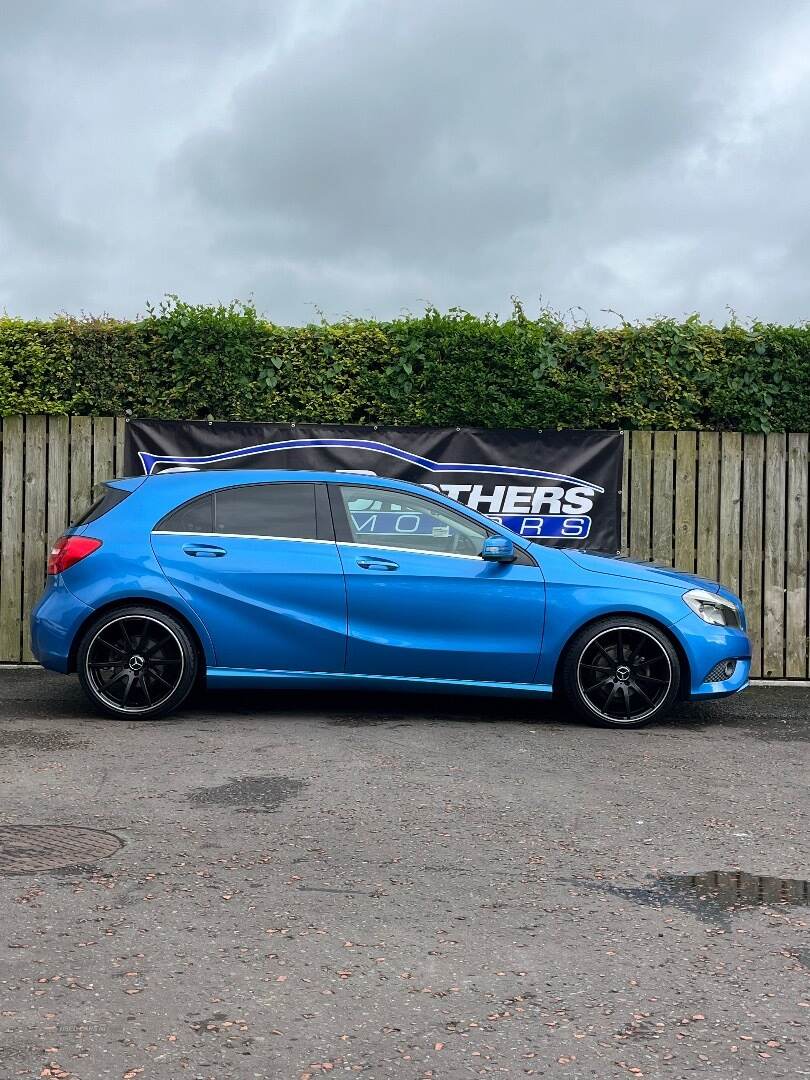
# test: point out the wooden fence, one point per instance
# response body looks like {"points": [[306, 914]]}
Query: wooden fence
{"points": [[49, 467], [733, 508], [720, 504]]}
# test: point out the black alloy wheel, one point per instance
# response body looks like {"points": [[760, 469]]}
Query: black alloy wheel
{"points": [[137, 662], [621, 672]]}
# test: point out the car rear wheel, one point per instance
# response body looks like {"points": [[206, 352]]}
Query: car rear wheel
{"points": [[621, 672], [136, 663]]}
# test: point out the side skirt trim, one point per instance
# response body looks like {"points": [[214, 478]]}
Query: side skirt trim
{"points": [[248, 677]]}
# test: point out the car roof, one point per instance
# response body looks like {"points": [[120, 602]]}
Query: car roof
{"points": [[232, 477], [187, 483], [169, 489]]}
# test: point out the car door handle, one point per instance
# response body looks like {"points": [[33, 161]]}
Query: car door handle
{"points": [[204, 551], [377, 564]]}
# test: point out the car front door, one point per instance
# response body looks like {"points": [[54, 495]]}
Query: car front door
{"points": [[259, 565], [421, 601]]}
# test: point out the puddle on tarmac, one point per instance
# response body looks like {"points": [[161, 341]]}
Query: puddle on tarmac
{"points": [[250, 794], [733, 890], [715, 894]]}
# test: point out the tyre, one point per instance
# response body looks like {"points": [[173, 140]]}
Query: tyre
{"points": [[136, 663], [621, 672]]}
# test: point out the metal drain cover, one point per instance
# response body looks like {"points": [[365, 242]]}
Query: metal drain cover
{"points": [[24, 849]]}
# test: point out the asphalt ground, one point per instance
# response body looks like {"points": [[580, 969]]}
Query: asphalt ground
{"points": [[391, 886]]}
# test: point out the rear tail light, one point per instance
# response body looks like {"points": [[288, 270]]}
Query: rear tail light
{"points": [[69, 550]]}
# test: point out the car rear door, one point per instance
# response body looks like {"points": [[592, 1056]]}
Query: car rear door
{"points": [[421, 601], [259, 565]]}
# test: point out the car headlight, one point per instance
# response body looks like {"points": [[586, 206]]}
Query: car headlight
{"points": [[712, 608]]}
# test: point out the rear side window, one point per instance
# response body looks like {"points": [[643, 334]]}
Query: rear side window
{"points": [[284, 510], [196, 516], [267, 510], [105, 499]]}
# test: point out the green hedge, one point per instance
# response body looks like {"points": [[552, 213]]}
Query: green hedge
{"points": [[183, 361]]}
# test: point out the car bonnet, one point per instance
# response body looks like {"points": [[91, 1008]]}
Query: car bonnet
{"points": [[618, 566]]}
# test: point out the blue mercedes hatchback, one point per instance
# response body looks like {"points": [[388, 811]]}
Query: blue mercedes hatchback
{"points": [[320, 580]]}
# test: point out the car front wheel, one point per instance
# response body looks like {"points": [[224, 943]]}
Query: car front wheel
{"points": [[621, 672], [136, 663]]}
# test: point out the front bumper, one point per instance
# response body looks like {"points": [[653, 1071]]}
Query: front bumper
{"points": [[707, 645], [737, 682], [54, 623]]}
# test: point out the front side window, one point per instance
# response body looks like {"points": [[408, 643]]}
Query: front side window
{"points": [[282, 510], [398, 519]]}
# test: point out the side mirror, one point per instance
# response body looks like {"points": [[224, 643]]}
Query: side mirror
{"points": [[498, 549]]}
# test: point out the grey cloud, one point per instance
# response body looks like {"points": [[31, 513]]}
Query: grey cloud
{"points": [[367, 156]]}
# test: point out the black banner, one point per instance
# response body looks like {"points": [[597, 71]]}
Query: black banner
{"points": [[556, 486]]}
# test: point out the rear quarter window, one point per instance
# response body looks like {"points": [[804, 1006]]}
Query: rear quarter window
{"points": [[105, 499]]}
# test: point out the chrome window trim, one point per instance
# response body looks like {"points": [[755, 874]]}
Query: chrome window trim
{"points": [[243, 536], [413, 551], [302, 540]]}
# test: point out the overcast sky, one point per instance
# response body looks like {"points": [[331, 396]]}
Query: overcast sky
{"points": [[365, 157]]}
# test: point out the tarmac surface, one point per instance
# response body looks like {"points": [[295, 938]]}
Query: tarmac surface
{"points": [[303, 886]]}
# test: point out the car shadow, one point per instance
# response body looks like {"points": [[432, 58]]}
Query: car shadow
{"points": [[36, 694], [370, 708]]}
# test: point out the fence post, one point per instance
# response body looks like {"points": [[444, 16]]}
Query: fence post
{"points": [[751, 555], [34, 538], [796, 559], [11, 521], [730, 509]]}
